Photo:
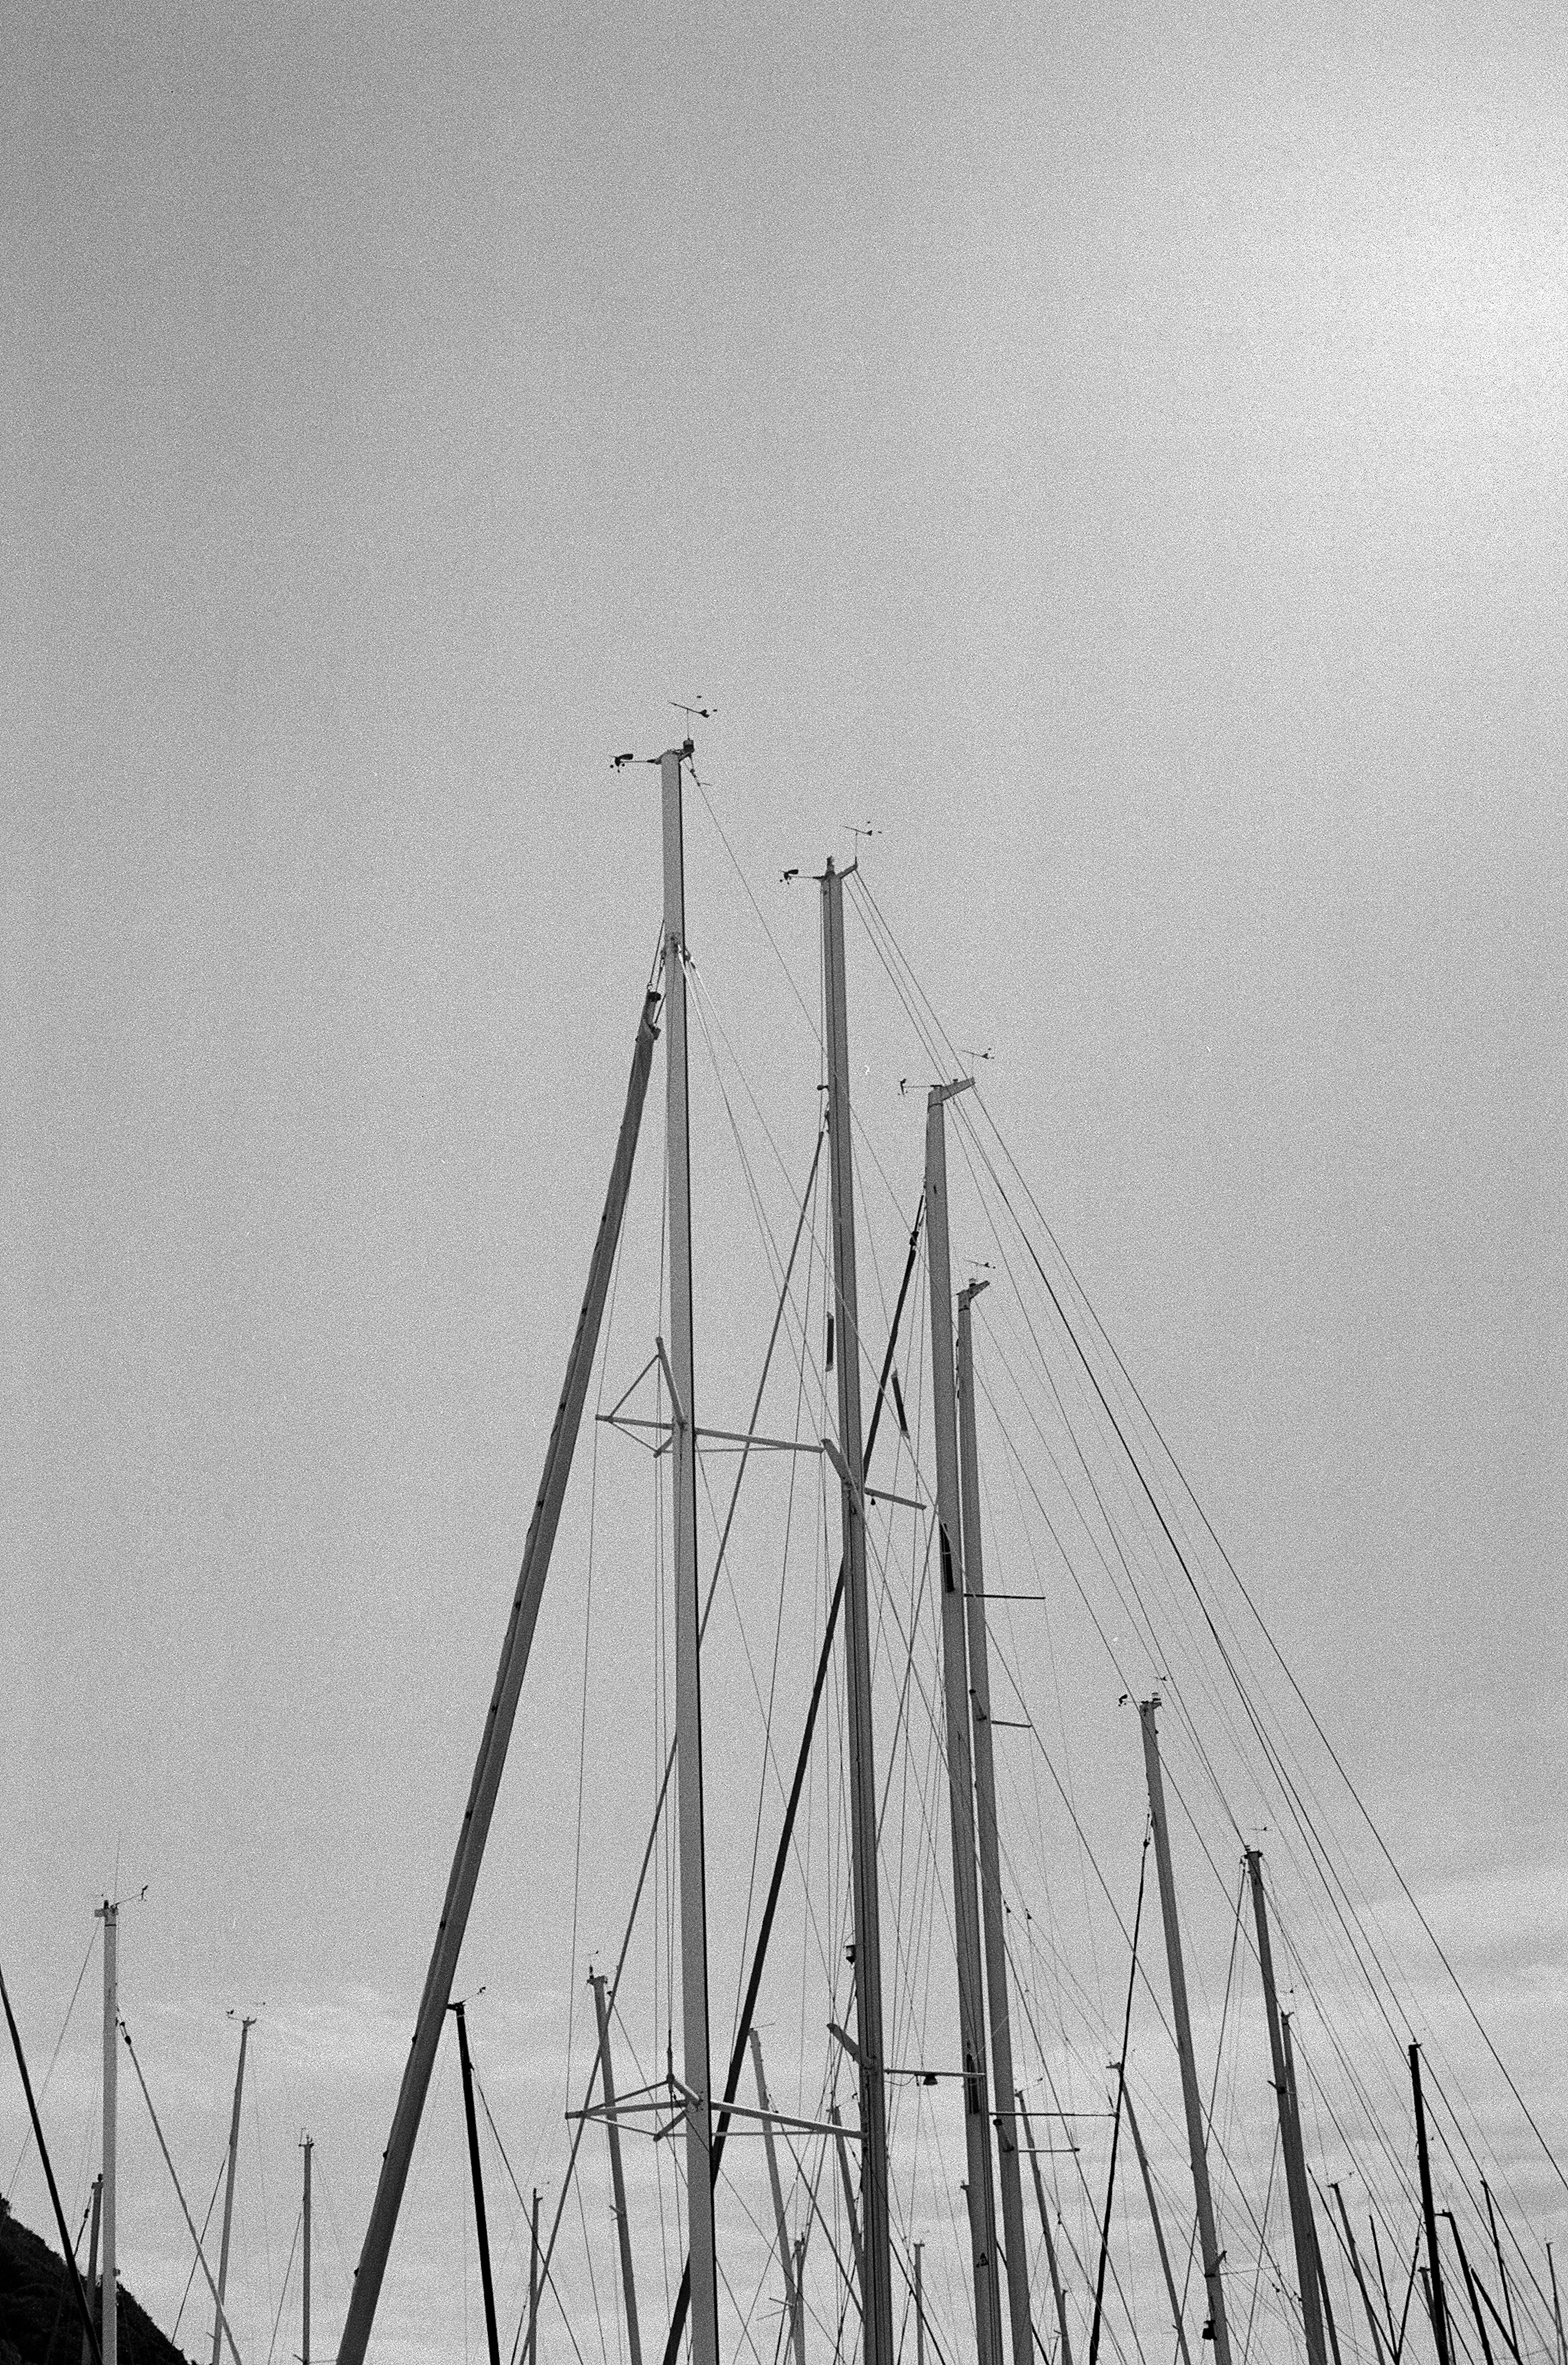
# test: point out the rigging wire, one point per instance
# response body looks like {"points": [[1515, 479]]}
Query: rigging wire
{"points": [[866, 901], [283, 2295], [1147, 1515], [205, 2223], [657, 1821], [27, 2142]]}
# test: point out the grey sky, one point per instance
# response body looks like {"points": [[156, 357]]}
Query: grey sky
{"points": [[1121, 453]]}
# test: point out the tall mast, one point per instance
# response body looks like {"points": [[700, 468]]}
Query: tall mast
{"points": [[307, 2146], [1014, 2242], [481, 2224], [490, 1762], [1434, 2299], [960, 1771], [616, 2173], [876, 2294], [1208, 2239], [1290, 2128], [245, 2028], [108, 2333], [696, 2065]]}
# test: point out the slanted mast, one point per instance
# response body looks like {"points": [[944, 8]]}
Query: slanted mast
{"points": [[1208, 2238], [1290, 2128], [218, 2321], [491, 1759], [476, 2174]]}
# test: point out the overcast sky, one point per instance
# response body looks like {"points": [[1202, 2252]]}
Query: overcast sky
{"points": [[1118, 451]]}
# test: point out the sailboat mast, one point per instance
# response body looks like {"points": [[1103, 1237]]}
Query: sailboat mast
{"points": [[696, 2064], [481, 2225], [1170, 2292], [1056, 2291], [877, 2292], [1314, 2246], [92, 2268], [1208, 2238], [995, 1930], [534, 2283], [1502, 2267], [960, 1769], [617, 2171], [490, 1760], [108, 2323], [857, 2246], [245, 2028], [1354, 2256], [1290, 2129], [1434, 2299], [307, 2146], [792, 2308]]}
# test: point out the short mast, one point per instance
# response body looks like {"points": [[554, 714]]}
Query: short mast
{"points": [[617, 2171], [1170, 2292], [1290, 2128], [877, 2293], [793, 2299], [92, 2268], [1056, 2291], [534, 2283], [695, 2063], [995, 1929], [961, 1771], [1430, 2215], [1315, 2248], [218, 2327], [108, 2321], [481, 2224], [306, 2145], [1208, 2238]]}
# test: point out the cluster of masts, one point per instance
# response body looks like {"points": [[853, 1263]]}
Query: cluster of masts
{"points": [[97, 2299], [998, 2133]]}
